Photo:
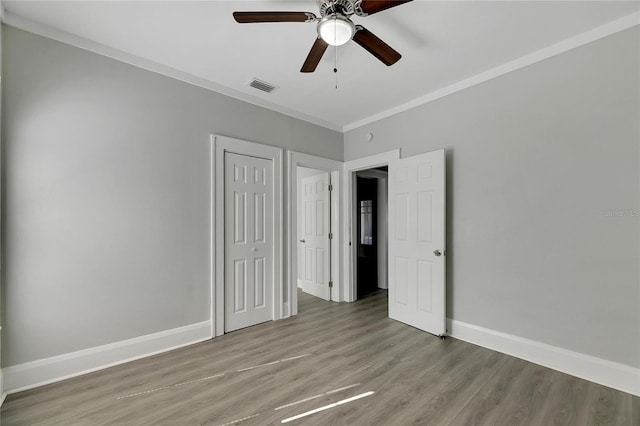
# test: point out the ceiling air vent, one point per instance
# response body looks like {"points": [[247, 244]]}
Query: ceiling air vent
{"points": [[262, 85]]}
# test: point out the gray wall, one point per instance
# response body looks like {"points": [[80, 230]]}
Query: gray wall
{"points": [[538, 160], [106, 195]]}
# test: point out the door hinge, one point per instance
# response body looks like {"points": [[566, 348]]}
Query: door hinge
{"points": [[331, 235], [330, 284], [330, 187]]}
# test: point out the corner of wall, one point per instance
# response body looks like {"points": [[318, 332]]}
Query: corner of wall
{"points": [[3, 395]]}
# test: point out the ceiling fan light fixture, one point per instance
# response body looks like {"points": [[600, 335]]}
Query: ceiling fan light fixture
{"points": [[336, 29]]}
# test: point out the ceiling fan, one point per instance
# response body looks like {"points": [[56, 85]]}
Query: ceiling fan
{"points": [[334, 27]]}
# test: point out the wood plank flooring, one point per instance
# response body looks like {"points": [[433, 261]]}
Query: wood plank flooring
{"points": [[328, 354]]}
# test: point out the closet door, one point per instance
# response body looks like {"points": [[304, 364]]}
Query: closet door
{"points": [[248, 256]]}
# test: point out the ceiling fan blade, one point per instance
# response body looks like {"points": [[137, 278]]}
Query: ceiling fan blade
{"points": [[314, 56], [374, 6], [255, 17], [375, 46]]}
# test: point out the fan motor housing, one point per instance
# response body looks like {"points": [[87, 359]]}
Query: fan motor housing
{"points": [[343, 7]]}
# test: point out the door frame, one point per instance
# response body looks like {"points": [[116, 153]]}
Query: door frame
{"points": [[349, 190], [334, 168], [219, 145]]}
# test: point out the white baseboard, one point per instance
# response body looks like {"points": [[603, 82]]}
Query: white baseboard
{"points": [[49, 370], [598, 370], [3, 394], [41, 372]]}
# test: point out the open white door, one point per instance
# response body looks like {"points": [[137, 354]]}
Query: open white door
{"points": [[248, 241], [417, 241], [315, 235]]}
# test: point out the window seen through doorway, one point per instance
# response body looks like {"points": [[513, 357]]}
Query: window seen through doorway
{"points": [[366, 222]]}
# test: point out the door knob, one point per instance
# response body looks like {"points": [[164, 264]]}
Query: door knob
{"points": [[437, 252], [302, 241]]}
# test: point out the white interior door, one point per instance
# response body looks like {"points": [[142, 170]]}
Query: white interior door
{"points": [[417, 241], [248, 256], [315, 235]]}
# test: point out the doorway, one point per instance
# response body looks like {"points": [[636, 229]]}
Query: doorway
{"points": [[302, 166], [371, 231], [351, 168], [416, 231]]}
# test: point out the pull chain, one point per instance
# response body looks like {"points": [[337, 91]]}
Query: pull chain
{"points": [[335, 67], [335, 49]]}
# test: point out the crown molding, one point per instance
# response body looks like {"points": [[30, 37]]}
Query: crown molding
{"points": [[566, 45], [597, 33], [47, 31]]}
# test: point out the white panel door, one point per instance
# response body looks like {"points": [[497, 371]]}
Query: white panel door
{"points": [[417, 241], [315, 235], [248, 241]]}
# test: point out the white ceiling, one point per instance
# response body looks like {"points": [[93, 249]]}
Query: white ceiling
{"points": [[441, 42]]}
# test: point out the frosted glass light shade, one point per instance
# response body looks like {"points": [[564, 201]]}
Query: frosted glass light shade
{"points": [[336, 29]]}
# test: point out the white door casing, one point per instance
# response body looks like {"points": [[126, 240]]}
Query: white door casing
{"points": [[248, 245], [315, 235], [417, 241], [349, 221]]}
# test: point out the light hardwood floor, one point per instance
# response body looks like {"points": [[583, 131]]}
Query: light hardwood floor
{"points": [[274, 371]]}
